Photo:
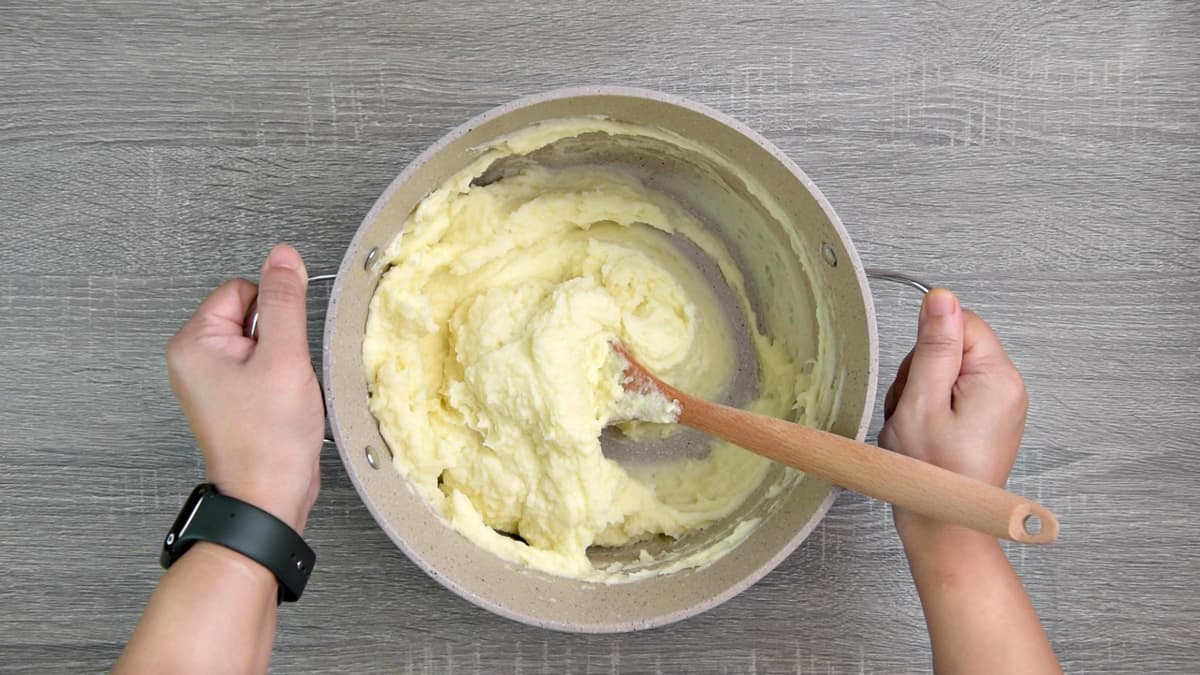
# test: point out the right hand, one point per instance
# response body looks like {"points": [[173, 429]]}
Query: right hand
{"points": [[957, 401], [254, 406]]}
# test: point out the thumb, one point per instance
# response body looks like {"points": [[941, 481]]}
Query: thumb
{"points": [[282, 325], [937, 356]]}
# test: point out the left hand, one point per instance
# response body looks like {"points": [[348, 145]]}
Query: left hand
{"points": [[254, 407]]}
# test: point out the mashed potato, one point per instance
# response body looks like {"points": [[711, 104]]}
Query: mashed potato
{"points": [[488, 357]]}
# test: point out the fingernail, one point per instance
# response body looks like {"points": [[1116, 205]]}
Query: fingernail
{"points": [[283, 257], [940, 302]]}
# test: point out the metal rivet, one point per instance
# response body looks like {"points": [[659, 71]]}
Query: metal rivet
{"points": [[829, 254], [370, 258], [170, 539], [1033, 524], [299, 564], [371, 457]]}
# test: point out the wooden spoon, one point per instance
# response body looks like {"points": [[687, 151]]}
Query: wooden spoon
{"points": [[889, 476]]}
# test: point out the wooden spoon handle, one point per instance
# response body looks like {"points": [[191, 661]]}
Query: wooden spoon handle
{"points": [[900, 480]]}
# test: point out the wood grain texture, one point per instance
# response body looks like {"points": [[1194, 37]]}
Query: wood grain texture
{"points": [[1041, 158]]}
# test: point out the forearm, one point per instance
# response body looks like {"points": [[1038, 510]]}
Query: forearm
{"points": [[213, 612], [979, 616]]}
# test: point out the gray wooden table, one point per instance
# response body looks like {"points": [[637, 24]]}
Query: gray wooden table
{"points": [[1043, 159]]}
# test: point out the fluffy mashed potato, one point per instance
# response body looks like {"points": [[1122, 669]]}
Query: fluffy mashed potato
{"points": [[490, 368]]}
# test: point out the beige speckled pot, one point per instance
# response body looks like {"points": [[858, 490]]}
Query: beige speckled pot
{"points": [[536, 598]]}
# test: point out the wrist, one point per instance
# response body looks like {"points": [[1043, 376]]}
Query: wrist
{"points": [[938, 541], [226, 562], [246, 528], [292, 511]]}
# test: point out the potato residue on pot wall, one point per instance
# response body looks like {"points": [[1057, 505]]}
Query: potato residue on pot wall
{"points": [[488, 357]]}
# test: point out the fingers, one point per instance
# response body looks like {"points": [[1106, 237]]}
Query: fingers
{"points": [[222, 311], [282, 326], [982, 351], [897, 388], [938, 355], [986, 367], [219, 316]]}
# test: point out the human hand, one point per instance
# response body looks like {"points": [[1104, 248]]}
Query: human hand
{"points": [[254, 407], [957, 402]]}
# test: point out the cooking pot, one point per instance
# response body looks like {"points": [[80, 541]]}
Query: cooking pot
{"points": [[785, 519]]}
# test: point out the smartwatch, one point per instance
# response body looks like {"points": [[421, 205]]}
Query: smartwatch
{"points": [[247, 529]]}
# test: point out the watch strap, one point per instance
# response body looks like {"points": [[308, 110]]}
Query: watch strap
{"points": [[249, 530]]}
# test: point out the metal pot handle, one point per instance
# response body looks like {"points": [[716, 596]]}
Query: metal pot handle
{"points": [[250, 325], [896, 277]]}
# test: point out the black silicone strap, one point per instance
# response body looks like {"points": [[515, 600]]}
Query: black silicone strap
{"points": [[247, 529]]}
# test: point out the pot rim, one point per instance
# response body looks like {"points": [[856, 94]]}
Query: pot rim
{"points": [[353, 256]]}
